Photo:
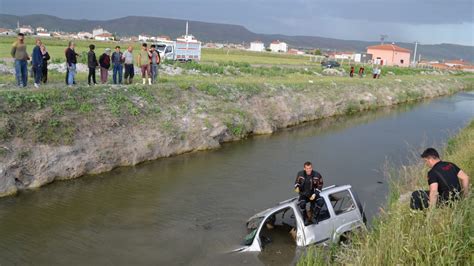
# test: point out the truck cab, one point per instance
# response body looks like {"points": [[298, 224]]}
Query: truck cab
{"points": [[339, 212], [166, 50]]}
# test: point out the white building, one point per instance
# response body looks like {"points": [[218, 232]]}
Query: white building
{"points": [[295, 52], [26, 30], [146, 38], [43, 34], [279, 47], [362, 58], [104, 37], [6, 32], [40, 29], [85, 35], [98, 31], [163, 38], [344, 55], [257, 46]]}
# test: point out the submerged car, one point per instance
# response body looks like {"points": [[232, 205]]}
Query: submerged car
{"points": [[339, 213]]}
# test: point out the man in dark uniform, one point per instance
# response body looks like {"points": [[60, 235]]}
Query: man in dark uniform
{"points": [[445, 180], [308, 184]]}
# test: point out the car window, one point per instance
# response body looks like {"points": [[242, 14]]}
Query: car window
{"points": [[342, 202]]}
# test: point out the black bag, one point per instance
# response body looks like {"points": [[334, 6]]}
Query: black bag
{"points": [[419, 200]]}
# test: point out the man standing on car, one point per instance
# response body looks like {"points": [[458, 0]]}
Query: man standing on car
{"points": [[308, 184], [445, 180]]}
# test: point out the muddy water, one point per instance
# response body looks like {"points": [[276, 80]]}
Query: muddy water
{"points": [[191, 209]]}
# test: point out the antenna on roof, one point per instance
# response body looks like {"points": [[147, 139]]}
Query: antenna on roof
{"points": [[383, 37]]}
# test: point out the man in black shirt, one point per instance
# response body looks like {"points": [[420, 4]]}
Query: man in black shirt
{"points": [[446, 180], [71, 61], [308, 184]]}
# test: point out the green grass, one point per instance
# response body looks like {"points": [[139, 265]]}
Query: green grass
{"points": [[400, 236], [264, 58]]}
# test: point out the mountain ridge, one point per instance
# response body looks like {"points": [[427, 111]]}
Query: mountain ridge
{"points": [[220, 32]]}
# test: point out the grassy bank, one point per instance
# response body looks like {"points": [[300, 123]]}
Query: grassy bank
{"points": [[400, 236], [54, 115]]}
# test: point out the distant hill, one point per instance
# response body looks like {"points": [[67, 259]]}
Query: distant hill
{"points": [[215, 32]]}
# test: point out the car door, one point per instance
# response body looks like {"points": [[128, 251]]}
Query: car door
{"points": [[322, 228], [346, 214]]}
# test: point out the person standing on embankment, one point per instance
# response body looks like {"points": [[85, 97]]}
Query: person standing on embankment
{"points": [[104, 62], [92, 65], [117, 61], [71, 61], [144, 61], [37, 63], [44, 68], [154, 63], [128, 63], [21, 60]]}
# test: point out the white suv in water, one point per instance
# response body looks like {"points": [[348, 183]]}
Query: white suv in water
{"points": [[340, 213]]}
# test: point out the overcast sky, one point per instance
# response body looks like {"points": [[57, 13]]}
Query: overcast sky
{"points": [[426, 21]]}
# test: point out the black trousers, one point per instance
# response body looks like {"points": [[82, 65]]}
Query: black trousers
{"points": [[44, 76], [91, 75], [129, 73], [419, 200]]}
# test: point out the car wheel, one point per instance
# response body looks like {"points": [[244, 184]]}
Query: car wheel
{"points": [[345, 238]]}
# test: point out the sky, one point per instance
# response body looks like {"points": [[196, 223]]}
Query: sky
{"points": [[425, 21]]}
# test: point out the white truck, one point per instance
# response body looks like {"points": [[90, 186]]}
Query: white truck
{"points": [[185, 48]]}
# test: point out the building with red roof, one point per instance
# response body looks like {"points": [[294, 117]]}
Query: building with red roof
{"points": [[389, 55]]}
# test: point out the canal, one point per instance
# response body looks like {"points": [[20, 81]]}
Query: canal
{"points": [[191, 209]]}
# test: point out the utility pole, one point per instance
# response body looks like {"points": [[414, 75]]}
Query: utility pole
{"points": [[414, 55], [187, 42]]}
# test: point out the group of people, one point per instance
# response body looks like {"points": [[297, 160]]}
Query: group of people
{"points": [[39, 62], [148, 59], [376, 71], [447, 183]]}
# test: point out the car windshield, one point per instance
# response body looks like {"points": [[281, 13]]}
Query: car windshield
{"points": [[160, 48], [252, 227]]}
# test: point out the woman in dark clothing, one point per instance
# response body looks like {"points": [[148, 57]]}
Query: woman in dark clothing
{"points": [[104, 63], [92, 64], [44, 66]]}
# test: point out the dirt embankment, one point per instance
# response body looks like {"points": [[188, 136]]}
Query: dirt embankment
{"points": [[58, 134]]}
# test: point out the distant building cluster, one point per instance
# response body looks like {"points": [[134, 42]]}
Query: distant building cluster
{"points": [[458, 64], [275, 46], [98, 34], [383, 54]]}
